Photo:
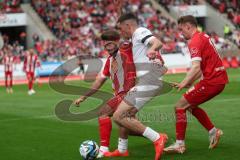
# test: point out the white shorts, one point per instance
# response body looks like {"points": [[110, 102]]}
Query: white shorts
{"points": [[146, 88]]}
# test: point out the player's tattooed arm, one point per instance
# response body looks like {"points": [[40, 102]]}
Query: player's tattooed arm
{"points": [[155, 44], [94, 88]]}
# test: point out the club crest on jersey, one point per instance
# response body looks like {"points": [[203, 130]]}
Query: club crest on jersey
{"points": [[194, 51]]}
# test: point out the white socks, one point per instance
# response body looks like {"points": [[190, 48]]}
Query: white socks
{"points": [[212, 131], [122, 145], [151, 134]]}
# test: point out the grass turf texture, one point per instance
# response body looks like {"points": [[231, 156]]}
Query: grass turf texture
{"points": [[30, 130]]}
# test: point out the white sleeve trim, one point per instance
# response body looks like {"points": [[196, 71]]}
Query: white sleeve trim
{"points": [[196, 59]]}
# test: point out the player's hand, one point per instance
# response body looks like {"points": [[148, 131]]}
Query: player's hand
{"points": [[174, 84], [183, 85], [178, 86], [79, 100], [152, 55]]}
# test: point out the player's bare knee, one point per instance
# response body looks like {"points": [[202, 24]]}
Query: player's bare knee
{"points": [[133, 112], [116, 117]]}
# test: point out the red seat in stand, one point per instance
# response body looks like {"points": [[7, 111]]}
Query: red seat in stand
{"points": [[234, 62], [226, 63]]}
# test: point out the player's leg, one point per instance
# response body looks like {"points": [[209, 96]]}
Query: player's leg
{"points": [[194, 97], [11, 82], [181, 124], [105, 128], [203, 118], [30, 77], [125, 117], [122, 149], [6, 82]]}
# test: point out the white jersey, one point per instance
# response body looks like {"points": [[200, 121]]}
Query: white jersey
{"points": [[140, 40]]}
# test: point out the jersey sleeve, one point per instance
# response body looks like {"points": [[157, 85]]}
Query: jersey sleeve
{"points": [[144, 35], [195, 49], [106, 70]]}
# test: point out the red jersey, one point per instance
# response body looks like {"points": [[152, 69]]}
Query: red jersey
{"points": [[202, 49], [8, 63], [121, 69], [30, 63]]}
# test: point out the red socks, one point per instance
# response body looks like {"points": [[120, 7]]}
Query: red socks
{"points": [[11, 82], [30, 85], [105, 128], [6, 83], [181, 123], [202, 117]]}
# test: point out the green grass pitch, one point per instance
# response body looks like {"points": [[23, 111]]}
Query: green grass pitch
{"points": [[29, 129]]}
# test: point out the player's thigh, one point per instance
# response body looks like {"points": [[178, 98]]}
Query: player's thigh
{"points": [[124, 110], [110, 107], [147, 88], [182, 103], [105, 111], [202, 92]]}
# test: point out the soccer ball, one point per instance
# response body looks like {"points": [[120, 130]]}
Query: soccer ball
{"points": [[89, 150]]}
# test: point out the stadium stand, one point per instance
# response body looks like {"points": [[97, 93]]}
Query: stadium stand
{"points": [[10, 6], [231, 8], [87, 19], [78, 24]]}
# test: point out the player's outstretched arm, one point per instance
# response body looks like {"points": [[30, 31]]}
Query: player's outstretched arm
{"points": [[94, 88]]}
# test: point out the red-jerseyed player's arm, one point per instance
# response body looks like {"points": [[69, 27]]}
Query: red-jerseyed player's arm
{"points": [[192, 75], [94, 88], [96, 84]]}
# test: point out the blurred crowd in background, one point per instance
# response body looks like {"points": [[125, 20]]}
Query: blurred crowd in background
{"points": [[78, 25]]}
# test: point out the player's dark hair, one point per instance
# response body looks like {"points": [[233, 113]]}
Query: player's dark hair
{"points": [[127, 16], [188, 19], [110, 35]]}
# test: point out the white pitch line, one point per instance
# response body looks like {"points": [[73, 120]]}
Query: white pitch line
{"points": [[161, 106]]}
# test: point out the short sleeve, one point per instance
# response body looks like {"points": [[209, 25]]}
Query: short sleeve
{"points": [[106, 69], [144, 35], [195, 49]]}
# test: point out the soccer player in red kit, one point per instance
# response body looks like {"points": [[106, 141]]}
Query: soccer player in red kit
{"points": [[121, 70], [8, 61], [207, 65], [30, 63]]}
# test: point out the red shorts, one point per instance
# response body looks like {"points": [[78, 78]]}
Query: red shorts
{"points": [[8, 73], [202, 92], [115, 101], [30, 75]]}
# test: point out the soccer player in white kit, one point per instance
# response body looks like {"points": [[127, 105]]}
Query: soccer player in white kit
{"points": [[150, 69]]}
